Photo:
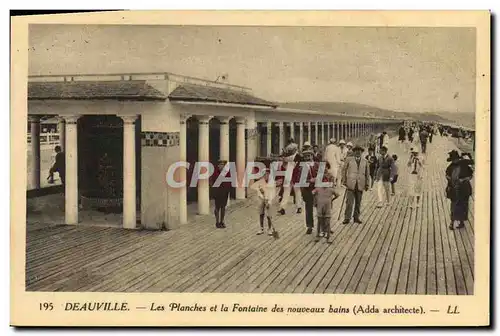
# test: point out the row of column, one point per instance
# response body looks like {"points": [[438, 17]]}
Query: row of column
{"points": [[68, 132], [69, 143], [328, 130], [204, 156], [323, 132]]}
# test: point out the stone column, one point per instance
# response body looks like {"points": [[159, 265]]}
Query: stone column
{"points": [[309, 134], [301, 134], [328, 132], [258, 140], [316, 133], [251, 127], [71, 183], [35, 152], [292, 130], [224, 138], [322, 134], [203, 156], [183, 171], [129, 175], [240, 157], [281, 136], [269, 138], [61, 129]]}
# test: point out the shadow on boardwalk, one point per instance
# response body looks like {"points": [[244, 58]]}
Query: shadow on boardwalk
{"points": [[397, 250]]}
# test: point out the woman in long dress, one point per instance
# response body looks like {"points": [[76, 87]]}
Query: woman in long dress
{"points": [[459, 189], [415, 179]]}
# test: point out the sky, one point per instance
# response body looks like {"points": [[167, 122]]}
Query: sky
{"points": [[402, 69]]}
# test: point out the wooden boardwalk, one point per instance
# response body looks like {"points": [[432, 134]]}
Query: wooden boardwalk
{"points": [[397, 250]]}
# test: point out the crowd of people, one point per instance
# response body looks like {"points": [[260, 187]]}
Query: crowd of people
{"points": [[350, 175]]}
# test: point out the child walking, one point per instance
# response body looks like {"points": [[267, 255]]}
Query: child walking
{"points": [[266, 191], [395, 177], [325, 195]]}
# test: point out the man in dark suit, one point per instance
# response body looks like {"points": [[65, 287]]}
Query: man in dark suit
{"points": [[355, 179], [59, 166], [307, 191]]}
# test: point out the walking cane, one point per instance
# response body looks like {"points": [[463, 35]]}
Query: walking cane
{"points": [[342, 205]]}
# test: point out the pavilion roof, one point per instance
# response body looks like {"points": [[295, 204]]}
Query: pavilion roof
{"points": [[201, 93], [91, 90]]}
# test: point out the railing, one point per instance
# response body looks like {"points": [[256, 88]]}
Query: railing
{"points": [[46, 139]]}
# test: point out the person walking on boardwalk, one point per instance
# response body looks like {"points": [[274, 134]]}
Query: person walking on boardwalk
{"points": [[402, 136], [307, 191], [266, 191], [411, 132], [317, 153], [384, 176], [396, 174], [355, 178], [424, 136], [349, 147], [372, 143], [221, 192], [59, 166], [459, 188], [383, 139], [431, 130], [415, 179], [343, 150], [371, 158], [291, 168], [325, 195], [332, 156]]}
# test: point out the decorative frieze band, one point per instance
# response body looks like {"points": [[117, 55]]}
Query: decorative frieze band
{"points": [[160, 139]]}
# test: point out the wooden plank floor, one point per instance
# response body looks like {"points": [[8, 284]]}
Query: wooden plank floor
{"points": [[397, 250]]}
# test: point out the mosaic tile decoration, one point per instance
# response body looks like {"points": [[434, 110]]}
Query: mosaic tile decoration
{"points": [[159, 139], [251, 134]]}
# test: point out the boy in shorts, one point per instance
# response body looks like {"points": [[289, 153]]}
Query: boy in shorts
{"points": [[324, 199], [266, 191]]}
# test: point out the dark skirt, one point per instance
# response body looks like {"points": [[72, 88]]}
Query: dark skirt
{"points": [[221, 195], [459, 209]]}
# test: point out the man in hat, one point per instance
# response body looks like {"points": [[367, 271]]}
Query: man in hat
{"points": [[317, 154], [221, 192], [349, 149], [306, 147], [384, 176], [332, 156], [307, 191], [355, 177], [459, 189], [291, 168]]}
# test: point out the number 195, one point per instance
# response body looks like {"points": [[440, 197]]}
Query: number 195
{"points": [[46, 306]]}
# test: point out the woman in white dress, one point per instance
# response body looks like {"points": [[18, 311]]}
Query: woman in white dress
{"points": [[415, 178]]}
